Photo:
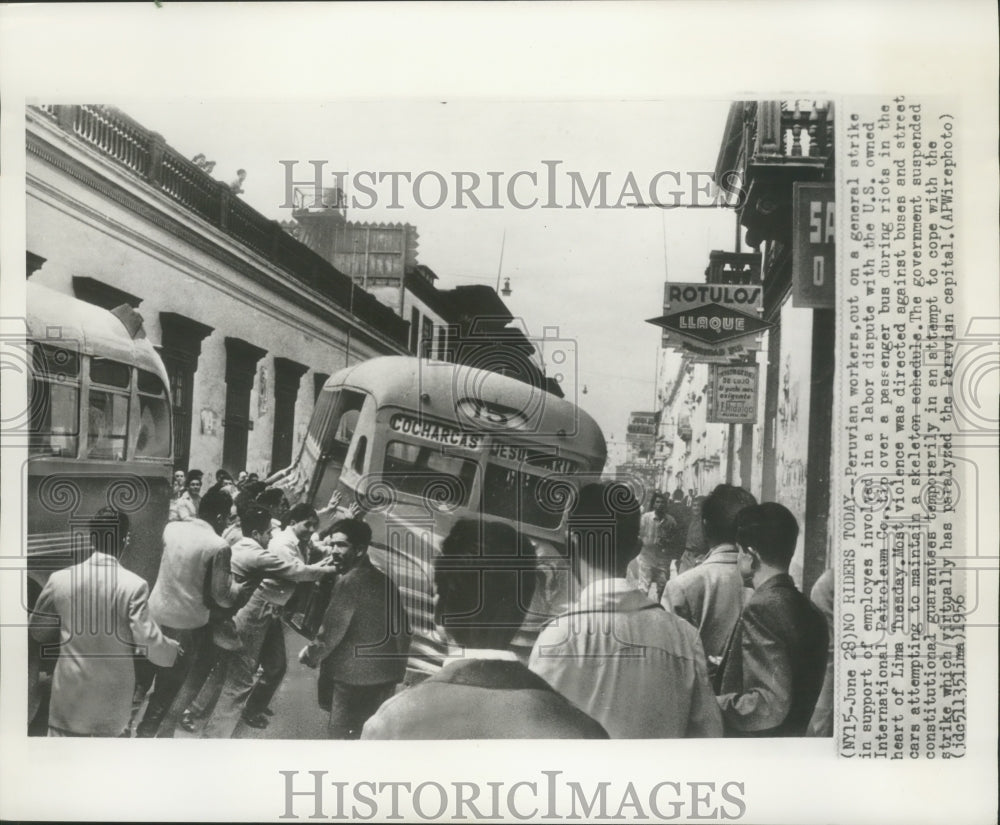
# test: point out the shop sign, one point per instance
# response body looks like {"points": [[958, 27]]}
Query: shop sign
{"points": [[711, 324], [732, 394]]}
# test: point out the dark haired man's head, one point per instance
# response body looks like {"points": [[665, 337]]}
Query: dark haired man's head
{"points": [[255, 522], [768, 531], [222, 475], [357, 531], [604, 529], [718, 513], [484, 579], [348, 540], [271, 497], [302, 518], [214, 508], [254, 488], [108, 530]]}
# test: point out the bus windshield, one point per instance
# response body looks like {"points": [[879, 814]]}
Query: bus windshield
{"points": [[54, 401], [518, 484], [520, 496]]}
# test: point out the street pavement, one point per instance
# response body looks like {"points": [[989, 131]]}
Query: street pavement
{"points": [[296, 714]]}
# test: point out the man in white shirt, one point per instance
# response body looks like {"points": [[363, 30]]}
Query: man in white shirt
{"points": [[617, 654]]}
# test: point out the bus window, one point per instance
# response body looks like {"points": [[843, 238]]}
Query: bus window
{"points": [[334, 432], [110, 373], [338, 429], [412, 467], [153, 433], [54, 401], [515, 495], [107, 409]]}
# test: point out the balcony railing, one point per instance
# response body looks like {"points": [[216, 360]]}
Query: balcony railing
{"points": [[775, 144], [144, 153], [732, 268], [797, 131]]}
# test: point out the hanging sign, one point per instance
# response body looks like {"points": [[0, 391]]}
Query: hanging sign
{"points": [[711, 324], [732, 394], [813, 208]]}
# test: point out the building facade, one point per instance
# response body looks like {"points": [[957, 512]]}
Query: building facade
{"points": [[249, 322]]}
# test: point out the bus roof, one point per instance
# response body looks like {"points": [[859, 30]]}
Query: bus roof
{"points": [[401, 381], [61, 320]]}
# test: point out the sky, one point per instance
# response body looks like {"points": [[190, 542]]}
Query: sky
{"points": [[593, 274]]}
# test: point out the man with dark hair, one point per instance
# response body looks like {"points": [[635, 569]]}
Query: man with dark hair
{"points": [[616, 653], [277, 503], [484, 580], [186, 506], [278, 569], [194, 574], [775, 660], [97, 613], [224, 481], [209, 673], [363, 641], [711, 595]]}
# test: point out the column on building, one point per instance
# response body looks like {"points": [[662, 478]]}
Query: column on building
{"points": [[287, 377], [241, 367], [180, 350]]}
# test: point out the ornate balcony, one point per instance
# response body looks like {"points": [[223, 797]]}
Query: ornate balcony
{"points": [[769, 145], [733, 268]]}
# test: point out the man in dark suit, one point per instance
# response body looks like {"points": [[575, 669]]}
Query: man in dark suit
{"points": [[775, 660], [362, 645]]}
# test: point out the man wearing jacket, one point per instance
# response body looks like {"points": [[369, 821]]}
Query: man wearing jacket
{"points": [[774, 663], [194, 573], [97, 613], [362, 644], [282, 570], [711, 595]]}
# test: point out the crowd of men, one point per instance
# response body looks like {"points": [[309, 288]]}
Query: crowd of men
{"points": [[665, 635]]}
